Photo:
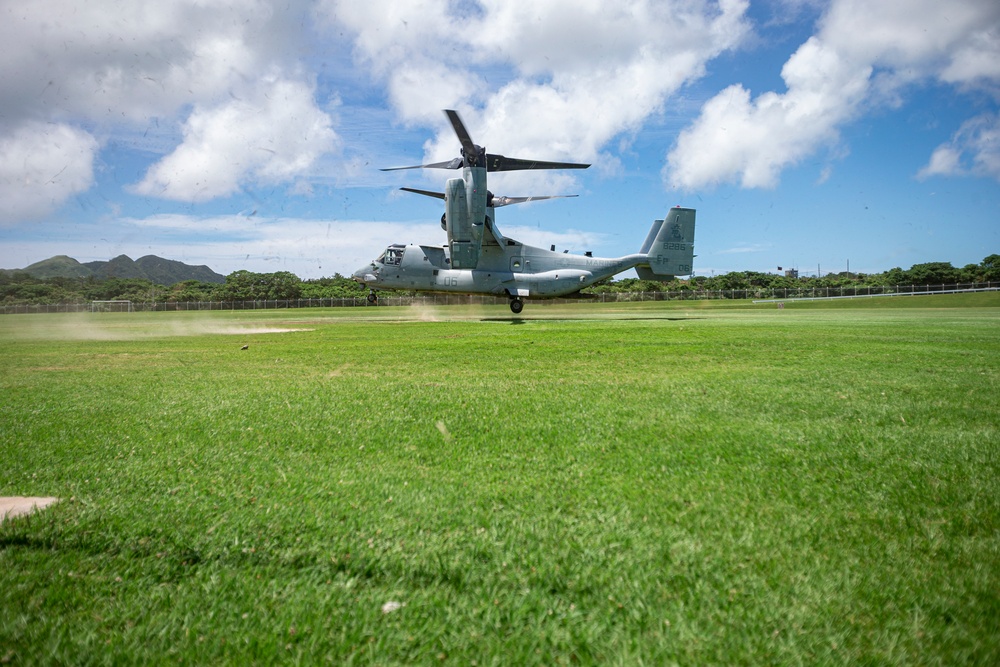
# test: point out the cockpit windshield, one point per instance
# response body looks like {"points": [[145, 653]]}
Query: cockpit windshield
{"points": [[392, 256]]}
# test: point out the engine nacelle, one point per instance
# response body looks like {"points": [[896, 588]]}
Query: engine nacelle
{"points": [[456, 211], [465, 217]]}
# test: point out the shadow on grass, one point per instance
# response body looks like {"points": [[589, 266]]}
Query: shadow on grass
{"points": [[519, 320]]}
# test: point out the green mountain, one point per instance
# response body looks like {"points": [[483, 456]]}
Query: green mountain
{"points": [[121, 266], [156, 269], [59, 266], [168, 271]]}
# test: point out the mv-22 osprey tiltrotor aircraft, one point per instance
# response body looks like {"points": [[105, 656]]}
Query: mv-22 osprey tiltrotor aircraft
{"points": [[480, 260]]}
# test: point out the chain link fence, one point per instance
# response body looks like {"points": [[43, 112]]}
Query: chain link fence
{"points": [[457, 300]]}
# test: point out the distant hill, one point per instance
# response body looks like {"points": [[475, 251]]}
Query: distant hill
{"points": [[121, 266], [168, 271], [59, 266], [156, 269]]}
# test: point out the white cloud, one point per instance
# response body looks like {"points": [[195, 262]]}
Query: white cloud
{"points": [[566, 76], [976, 61], [41, 166], [421, 86], [119, 67], [118, 59], [864, 54], [973, 150], [228, 225], [273, 135], [575, 241], [745, 248], [945, 160], [546, 79]]}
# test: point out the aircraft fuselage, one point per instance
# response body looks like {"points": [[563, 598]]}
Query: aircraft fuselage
{"points": [[511, 269]]}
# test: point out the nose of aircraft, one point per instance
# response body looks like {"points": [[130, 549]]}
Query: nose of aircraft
{"points": [[366, 274]]}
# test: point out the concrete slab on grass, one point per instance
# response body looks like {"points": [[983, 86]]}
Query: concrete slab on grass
{"points": [[12, 506]]}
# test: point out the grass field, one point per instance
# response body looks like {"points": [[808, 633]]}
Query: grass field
{"points": [[650, 483]]}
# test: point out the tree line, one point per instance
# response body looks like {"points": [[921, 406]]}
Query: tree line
{"points": [[929, 273], [19, 287]]}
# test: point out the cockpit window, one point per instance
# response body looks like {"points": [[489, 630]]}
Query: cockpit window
{"points": [[392, 256]]}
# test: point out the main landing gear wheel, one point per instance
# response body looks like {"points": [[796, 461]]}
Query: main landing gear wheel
{"points": [[372, 297], [516, 306]]}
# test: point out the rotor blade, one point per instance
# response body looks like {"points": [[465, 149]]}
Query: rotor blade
{"points": [[500, 200], [426, 193], [501, 163], [463, 135], [454, 163], [494, 201]]}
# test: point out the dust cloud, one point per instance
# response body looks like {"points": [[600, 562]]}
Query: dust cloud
{"points": [[99, 327]]}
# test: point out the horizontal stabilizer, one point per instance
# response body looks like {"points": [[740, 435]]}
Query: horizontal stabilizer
{"points": [[646, 273]]}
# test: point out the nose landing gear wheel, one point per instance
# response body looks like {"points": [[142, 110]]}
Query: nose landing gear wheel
{"points": [[516, 306], [372, 297]]}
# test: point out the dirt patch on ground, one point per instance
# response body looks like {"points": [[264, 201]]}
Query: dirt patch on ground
{"points": [[259, 330], [12, 506]]}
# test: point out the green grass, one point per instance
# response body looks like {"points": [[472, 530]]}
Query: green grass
{"points": [[690, 483]]}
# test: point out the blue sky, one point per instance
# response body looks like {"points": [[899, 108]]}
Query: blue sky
{"points": [[247, 134]]}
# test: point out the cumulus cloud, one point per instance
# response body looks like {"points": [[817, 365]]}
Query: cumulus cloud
{"points": [[551, 79], [865, 54], [973, 150], [42, 165], [271, 136], [119, 59], [112, 66]]}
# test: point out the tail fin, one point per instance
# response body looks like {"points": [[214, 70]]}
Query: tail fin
{"points": [[669, 246]]}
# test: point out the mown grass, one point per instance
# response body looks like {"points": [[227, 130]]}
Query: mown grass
{"points": [[631, 483]]}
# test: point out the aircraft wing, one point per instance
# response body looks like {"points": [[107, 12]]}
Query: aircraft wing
{"points": [[426, 193]]}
